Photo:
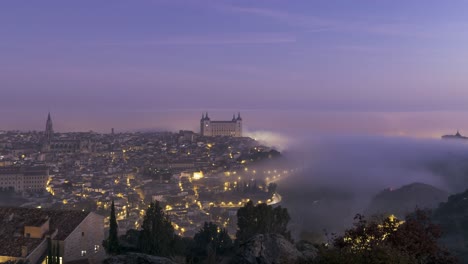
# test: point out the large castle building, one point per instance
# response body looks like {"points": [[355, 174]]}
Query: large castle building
{"points": [[230, 128]]}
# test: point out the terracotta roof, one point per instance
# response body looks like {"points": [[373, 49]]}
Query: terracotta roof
{"points": [[13, 221]]}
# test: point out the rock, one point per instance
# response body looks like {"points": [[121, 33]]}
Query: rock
{"points": [[270, 249], [137, 258], [307, 249]]}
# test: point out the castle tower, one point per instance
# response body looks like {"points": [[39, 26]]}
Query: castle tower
{"points": [[239, 125], [49, 131], [205, 126]]}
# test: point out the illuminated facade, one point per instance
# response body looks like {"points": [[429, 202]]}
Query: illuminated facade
{"points": [[231, 128], [22, 179]]}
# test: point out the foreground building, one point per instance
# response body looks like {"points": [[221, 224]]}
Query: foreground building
{"points": [[230, 128], [26, 235]]}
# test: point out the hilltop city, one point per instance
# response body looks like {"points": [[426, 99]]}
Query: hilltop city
{"points": [[196, 177]]}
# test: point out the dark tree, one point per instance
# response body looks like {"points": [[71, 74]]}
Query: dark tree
{"points": [[210, 243], [380, 255], [182, 246], [261, 219], [129, 241], [389, 240], [420, 236], [157, 234], [112, 245]]}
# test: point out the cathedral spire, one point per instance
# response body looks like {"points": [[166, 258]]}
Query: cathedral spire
{"points": [[49, 131]]}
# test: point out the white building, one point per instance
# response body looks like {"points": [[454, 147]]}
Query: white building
{"points": [[231, 128]]}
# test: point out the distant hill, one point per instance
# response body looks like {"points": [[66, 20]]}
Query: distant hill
{"points": [[456, 136], [405, 199]]}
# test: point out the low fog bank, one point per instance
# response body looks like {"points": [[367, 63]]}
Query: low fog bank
{"points": [[277, 141], [340, 175]]}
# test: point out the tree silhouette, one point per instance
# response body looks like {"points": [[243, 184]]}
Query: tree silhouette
{"points": [[112, 245], [157, 234], [210, 243], [389, 240], [261, 219]]}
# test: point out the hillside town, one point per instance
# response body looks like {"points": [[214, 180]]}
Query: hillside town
{"points": [[195, 178]]}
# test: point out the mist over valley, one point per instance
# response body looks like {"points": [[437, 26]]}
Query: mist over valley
{"points": [[339, 177]]}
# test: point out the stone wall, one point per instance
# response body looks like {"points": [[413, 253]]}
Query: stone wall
{"points": [[38, 253]]}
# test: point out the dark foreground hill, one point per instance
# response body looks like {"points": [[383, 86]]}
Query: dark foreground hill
{"points": [[452, 216], [260, 249]]}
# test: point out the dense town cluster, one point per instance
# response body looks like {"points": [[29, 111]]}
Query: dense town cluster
{"points": [[195, 178]]}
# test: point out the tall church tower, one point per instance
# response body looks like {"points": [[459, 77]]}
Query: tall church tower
{"points": [[49, 131]]}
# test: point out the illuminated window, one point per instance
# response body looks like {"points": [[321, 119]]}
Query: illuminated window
{"points": [[50, 261], [83, 253], [96, 248]]}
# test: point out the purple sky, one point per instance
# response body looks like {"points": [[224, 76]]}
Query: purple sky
{"points": [[390, 67]]}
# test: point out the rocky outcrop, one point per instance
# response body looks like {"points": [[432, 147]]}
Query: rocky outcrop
{"points": [[308, 250], [272, 249], [137, 258]]}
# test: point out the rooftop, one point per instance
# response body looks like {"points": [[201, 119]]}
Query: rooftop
{"points": [[228, 122], [15, 219], [33, 170]]}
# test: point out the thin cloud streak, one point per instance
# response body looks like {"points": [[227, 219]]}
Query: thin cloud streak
{"points": [[318, 24], [226, 39], [242, 39], [292, 19]]}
